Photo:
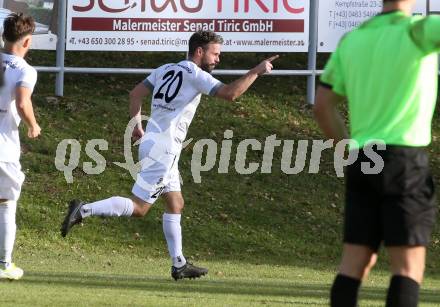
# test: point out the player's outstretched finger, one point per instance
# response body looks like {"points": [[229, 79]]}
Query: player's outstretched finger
{"points": [[272, 58], [269, 67]]}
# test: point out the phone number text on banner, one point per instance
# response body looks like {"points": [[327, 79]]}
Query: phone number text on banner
{"points": [[337, 17], [166, 25]]}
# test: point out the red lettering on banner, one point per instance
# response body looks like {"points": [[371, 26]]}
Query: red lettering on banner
{"points": [[220, 6], [164, 6], [263, 5], [104, 7], [291, 9], [108, 9], [258, 2], [191, 9], [84, 8]]}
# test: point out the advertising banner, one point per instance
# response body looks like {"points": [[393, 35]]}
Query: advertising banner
{"points": [[166, 25], [337, 17]]}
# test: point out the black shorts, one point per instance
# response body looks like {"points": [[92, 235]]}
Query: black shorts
{"points": [[396, 206]]}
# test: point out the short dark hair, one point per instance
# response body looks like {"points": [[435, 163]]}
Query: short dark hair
{"points": [[16, 26], [202, 39]]}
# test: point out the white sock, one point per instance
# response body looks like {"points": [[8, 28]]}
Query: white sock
{"points": [[113, 206], [7, 230], [173, 235]]}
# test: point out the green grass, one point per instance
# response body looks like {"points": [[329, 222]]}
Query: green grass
{"points": [[268, 239], [143, 281]]}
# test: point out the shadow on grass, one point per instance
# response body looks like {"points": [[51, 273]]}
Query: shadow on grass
{"points": [[265, 288]]}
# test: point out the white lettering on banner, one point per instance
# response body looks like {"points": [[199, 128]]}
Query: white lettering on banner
{"points": [[337, 17], [120, 25], [166, 25], [261, 26], [193, 27], [228, 26]]}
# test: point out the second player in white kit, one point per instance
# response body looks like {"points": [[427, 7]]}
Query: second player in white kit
{"points": [[15, 105]]}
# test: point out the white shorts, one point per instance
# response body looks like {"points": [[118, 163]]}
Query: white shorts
{"points": [[11, 179], [157, 177]]}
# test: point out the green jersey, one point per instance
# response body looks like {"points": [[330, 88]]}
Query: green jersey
{"points": [[388, 70]]}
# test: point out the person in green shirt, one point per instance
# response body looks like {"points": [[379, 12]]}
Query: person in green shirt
{"points": [[387, 70]]}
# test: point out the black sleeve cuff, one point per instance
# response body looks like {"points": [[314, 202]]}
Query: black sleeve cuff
{"points": [[148, 84], [215, 89]]}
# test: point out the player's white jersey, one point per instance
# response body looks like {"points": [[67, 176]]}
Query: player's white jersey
{"points": [[176, 91], [17, 73]]}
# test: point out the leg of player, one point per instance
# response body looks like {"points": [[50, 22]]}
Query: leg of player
{"points": [[113, 206], [407, 267], [7, 238], [141, 207], [357, 261], [172, 230], [173, 235]]}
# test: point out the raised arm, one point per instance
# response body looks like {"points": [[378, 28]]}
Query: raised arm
{"points": [[235, 89], [426, 33], [23, 103]]}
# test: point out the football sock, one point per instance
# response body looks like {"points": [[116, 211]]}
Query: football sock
{"points": [[173, 235], [113, 206], [344, 291], [7, 230], [402, 292]]}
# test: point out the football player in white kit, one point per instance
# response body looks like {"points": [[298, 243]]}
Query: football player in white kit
{"points": [[176, 89], [15, 105]]}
